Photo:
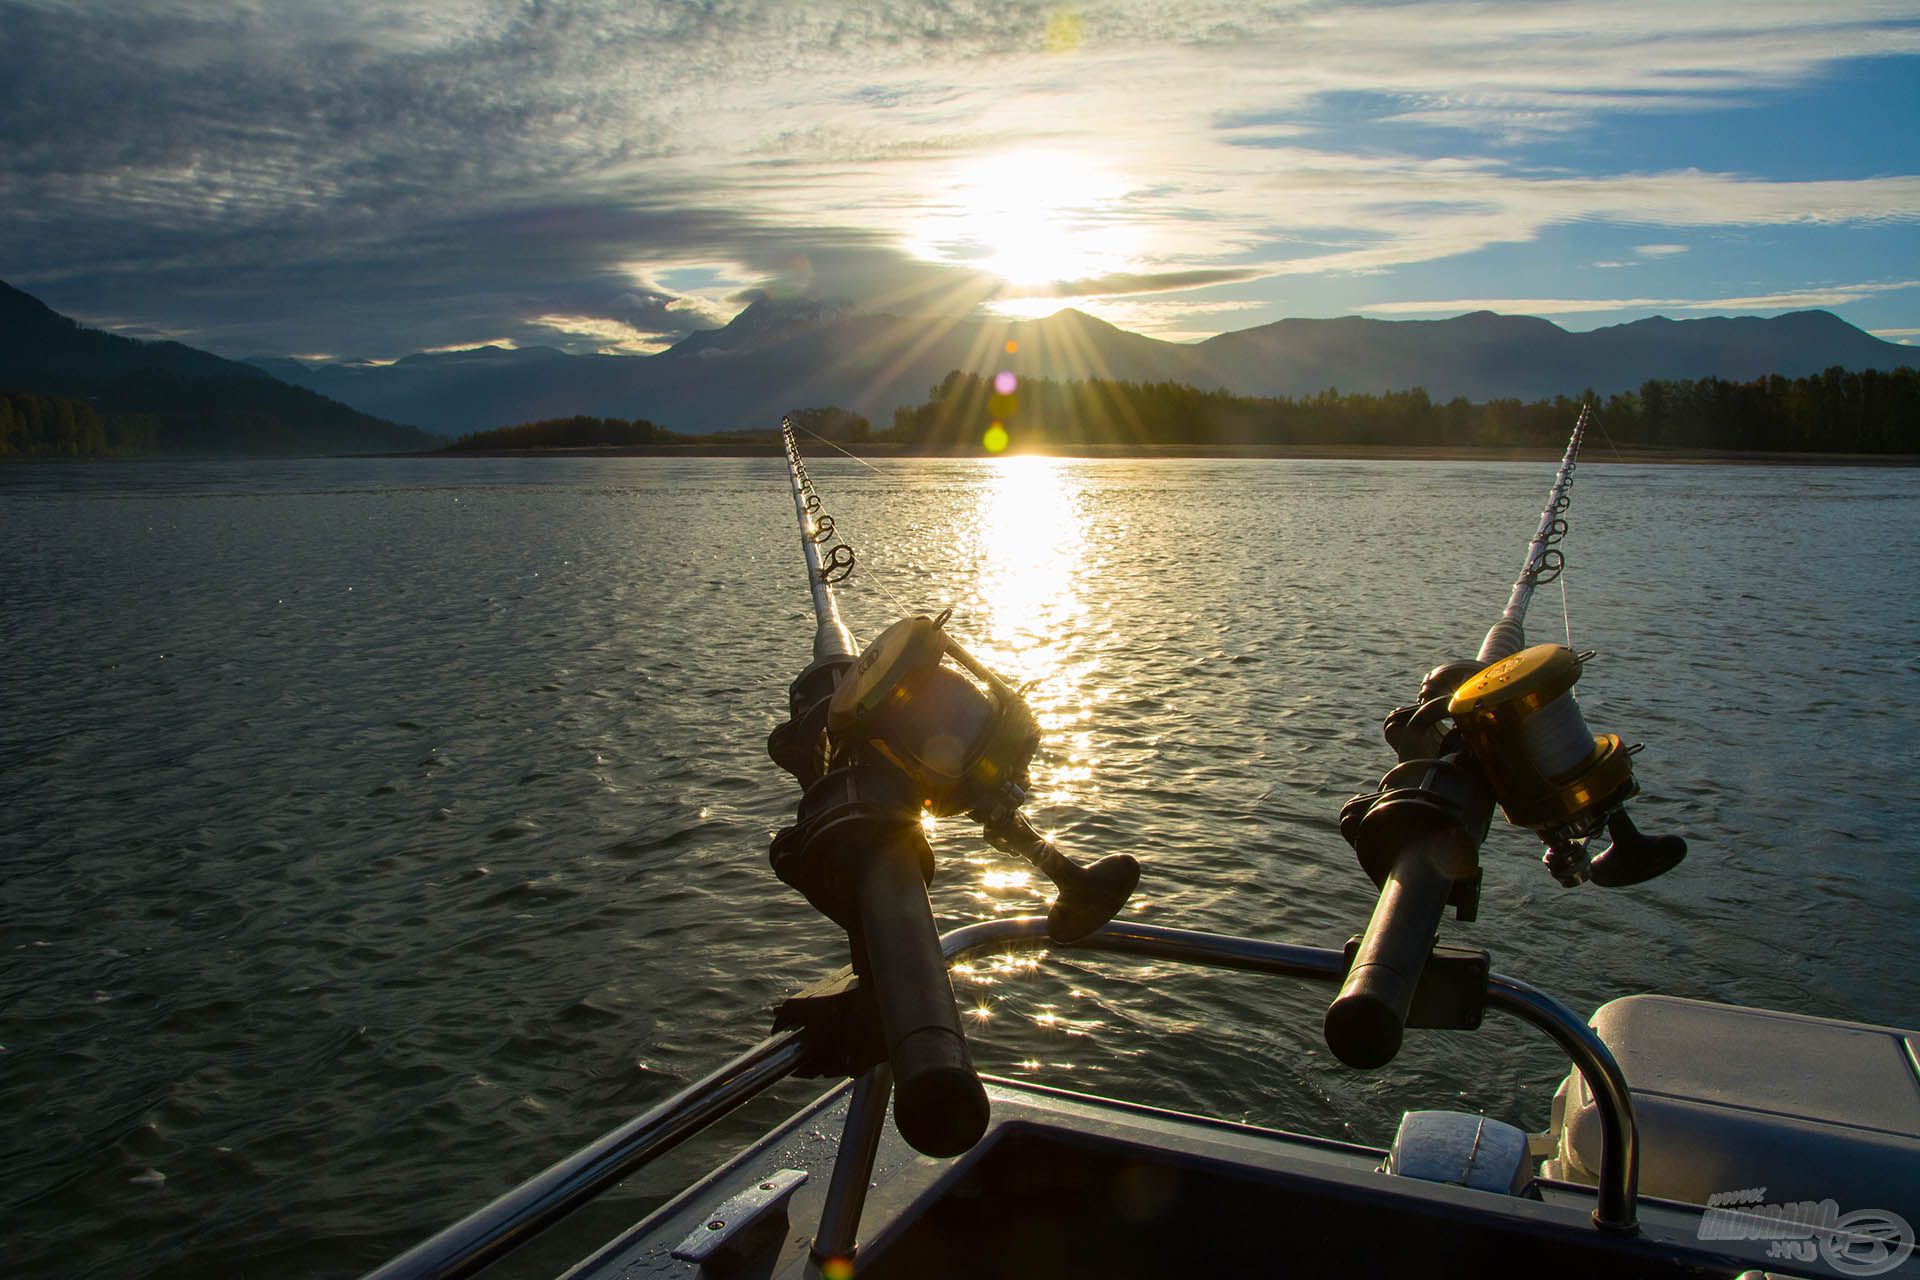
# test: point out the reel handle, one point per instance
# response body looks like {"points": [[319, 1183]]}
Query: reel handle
{"points": [[1089, 896], [1634, 857], [938, 1103], [1368, 1019]]}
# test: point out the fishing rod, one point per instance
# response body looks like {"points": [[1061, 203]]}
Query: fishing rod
{"points": [[1503, 727], [911, 725], [1544, 559], [831, 638]]}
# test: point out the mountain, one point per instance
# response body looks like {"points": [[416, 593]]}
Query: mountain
{"points": [[772, 357], [425, 389], [777, 354], [1479, 356], [40, 342], [1484, 356], [189, 401], [1741, 348]]}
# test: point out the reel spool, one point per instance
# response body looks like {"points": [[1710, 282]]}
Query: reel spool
{"points": [[1549, 772], [965, 743], [1553, 774]]}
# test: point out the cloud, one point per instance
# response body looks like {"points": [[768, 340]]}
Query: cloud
{"points": [[1837, 295], [1643, 253], [607, 336], [504, 344], [1128, 282], [387, 175], [1802, 299]]}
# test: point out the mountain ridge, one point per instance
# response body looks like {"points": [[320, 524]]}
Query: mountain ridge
{"points": [[189, 400], [779, 353], [776, 355]]}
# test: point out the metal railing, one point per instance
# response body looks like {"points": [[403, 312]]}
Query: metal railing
{"points": [[1618, 1188], [483, 1237]]}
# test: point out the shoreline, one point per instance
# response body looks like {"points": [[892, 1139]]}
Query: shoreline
{"points": [[1635, 456], [1640, 455]]}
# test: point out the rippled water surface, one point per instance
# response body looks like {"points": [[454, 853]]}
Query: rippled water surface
{"points": [[376, 832]]}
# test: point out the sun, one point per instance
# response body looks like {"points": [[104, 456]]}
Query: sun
{"points": [[1031, 218]]}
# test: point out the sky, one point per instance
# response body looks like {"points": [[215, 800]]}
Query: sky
{"points": [[363, 179]]}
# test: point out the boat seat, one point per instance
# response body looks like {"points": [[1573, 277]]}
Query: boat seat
{"points": [[1729, 1100]]}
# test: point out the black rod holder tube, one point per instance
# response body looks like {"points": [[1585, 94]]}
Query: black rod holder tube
{"points": [[485, 1236], [839, 1231], [1368, 1019], [938, 1102]]}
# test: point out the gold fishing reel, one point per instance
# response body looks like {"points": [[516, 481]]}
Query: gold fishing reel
{"points": [[1548, 770], [962, 734], [963, 738], [1552, 774]]}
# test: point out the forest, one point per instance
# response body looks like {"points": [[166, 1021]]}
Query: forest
{"points": [[583, 431], [156, 412], [578, 432], [35, 426], [1832, 412]]}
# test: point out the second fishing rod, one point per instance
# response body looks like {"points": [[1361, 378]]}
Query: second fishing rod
{"points": [[1503, 727]]}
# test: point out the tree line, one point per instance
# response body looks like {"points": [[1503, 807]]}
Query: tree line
{"points": [[36, 426], [581, 431], [1833, 412], [153, 411]]}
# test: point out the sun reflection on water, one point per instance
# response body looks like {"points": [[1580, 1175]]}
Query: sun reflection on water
{"points": [[1030, 618], [1032, 560]]}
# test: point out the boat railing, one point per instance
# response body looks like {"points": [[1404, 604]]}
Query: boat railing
{"points": [[483, 1237]]}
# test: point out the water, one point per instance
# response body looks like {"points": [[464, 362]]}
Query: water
{"points": [[377, 832]]}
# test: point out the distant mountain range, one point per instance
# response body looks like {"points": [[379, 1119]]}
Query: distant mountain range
{"points": [[191, 401], [780, 355], [776, 356]]}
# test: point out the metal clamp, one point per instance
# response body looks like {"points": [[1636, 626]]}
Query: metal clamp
{"points": [[744, 1222]]}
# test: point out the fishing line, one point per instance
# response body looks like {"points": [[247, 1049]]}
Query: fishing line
{"points": [[1565, 615], [1617, 457], [830, 444], [882, 584]]}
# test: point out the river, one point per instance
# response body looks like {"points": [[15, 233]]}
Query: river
{"points": [[378, 831]]}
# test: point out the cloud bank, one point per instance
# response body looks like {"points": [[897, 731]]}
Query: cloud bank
{"points": [[369, 178]]}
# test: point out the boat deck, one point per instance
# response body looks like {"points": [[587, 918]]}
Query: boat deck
{"points": [[1064, 1185]]}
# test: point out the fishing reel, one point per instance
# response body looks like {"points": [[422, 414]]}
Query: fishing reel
{"points": [[1550, 773], [1516, 738], [964, 739], [965, 744]]}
